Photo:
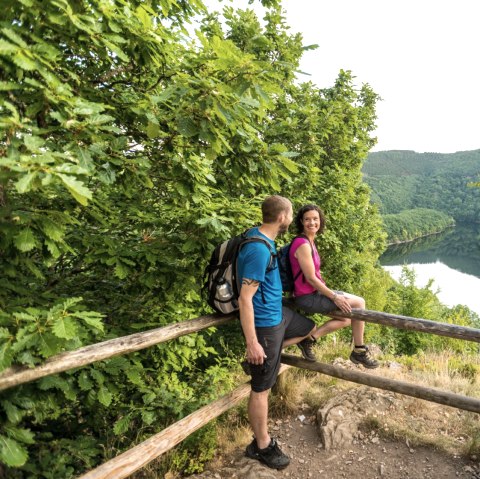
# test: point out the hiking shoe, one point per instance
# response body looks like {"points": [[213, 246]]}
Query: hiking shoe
{"points": [[363, 356], [306, 347], [272, 456]]}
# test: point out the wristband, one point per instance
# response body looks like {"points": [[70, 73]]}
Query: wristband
{"points": [[334, 296]]}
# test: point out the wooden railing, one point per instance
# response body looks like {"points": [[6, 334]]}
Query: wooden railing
{"points": [[145, 452], [17, 375]]}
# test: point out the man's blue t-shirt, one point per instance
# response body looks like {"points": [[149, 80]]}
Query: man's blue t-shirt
{"points": [[253, 261]]}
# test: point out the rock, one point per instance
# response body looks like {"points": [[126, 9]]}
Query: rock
{"points": [[394, 365], [338, 420], [243, 468]]}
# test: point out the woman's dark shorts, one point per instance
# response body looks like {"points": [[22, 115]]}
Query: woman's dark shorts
{"points": [[293, 325], [316, 303]]}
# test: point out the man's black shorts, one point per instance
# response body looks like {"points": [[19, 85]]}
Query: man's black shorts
{"points": [[293, 325]]}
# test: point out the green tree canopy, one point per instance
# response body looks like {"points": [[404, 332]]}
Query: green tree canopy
{"points": [[130, 146]]}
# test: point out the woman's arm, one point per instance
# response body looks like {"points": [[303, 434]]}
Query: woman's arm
{"points": [[305, 260]]}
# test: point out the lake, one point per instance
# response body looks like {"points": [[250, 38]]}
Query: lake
{"points": [[451, 259]]}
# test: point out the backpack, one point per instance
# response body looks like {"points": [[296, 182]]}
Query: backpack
{"points": [[285, 267], [222, 286]]}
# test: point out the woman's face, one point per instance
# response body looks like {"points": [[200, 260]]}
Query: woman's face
{"points": [[311, 222]]}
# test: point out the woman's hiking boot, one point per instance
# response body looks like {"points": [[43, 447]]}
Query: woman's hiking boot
{"points": [[362, 356], [272, 456], [306, 347]]}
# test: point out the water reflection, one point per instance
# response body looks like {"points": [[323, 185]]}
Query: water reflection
{"points": [[451, 259], [452, 287], [458, 248]]}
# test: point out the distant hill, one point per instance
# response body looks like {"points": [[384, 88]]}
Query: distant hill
{"points": [[406, 162], [404, 180]]}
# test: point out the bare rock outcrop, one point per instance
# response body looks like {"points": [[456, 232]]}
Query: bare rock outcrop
{"points": [[339, 419], [243, 468]]}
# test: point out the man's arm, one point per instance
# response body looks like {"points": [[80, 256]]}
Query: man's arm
{"points": [[255, 352]]}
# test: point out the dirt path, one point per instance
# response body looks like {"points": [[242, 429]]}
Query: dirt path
{"points": [[360, 436], [367, 457]]}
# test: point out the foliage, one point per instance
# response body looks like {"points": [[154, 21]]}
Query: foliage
{"points": [[129, 146], [375, 289], [327, 132], [411, 224], [404, 180], [406, 299], [190, 463], [405, 162]]}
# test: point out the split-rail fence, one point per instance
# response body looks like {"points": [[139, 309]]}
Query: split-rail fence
{"points": [[138, 456]]}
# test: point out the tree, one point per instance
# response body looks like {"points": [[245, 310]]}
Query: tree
{"points": [[128, 148]]}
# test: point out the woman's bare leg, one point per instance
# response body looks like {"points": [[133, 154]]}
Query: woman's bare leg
{"points": [[358, 327], [289, 342]]}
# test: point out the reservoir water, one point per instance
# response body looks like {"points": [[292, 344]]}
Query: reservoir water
{"points": [[451, 259]]}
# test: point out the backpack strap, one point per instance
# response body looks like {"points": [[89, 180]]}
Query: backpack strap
{"points": [[300, 272], [259, 239]]}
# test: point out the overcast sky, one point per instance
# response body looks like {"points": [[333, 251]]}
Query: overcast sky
{"points": [[421, 56]]}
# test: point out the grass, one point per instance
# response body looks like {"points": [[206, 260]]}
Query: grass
{"points": [[417, 421], [420, 422]]}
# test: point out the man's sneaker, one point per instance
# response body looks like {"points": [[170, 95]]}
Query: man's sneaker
{"points": [[306, 346], [272, 456], [363, 356]]}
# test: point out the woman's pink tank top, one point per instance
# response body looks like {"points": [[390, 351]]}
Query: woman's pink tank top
{"points": [[302, 286]]}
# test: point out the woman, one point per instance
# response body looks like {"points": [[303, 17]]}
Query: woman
{"points": [[312, 295]]}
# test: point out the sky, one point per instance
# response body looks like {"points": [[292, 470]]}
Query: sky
{"points": [[421, 56]]}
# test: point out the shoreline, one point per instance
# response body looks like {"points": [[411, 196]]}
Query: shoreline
{"points": [[421, 236]]}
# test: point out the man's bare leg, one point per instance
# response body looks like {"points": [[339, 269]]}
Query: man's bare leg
{"points": [[258, 417]]}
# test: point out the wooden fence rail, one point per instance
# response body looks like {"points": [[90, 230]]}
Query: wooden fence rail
{"points": [[413, 324], [17, 375], [140, 455], [415, 390]]}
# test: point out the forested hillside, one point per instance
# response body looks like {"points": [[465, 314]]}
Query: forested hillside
{"points": [[411, 224], [129, 148], [403, 180]]}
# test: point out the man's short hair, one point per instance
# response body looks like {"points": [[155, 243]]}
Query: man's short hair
{"points": [[273, 206]]}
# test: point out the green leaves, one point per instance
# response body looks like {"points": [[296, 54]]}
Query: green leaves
{"points": [[122, 425], [65, 327], [25, 240], [104, 396], [43, 333], [24, 184], [14, 415], [11, 452], [76, 188]]}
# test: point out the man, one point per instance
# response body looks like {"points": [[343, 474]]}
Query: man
{"points": [[266, 325]]}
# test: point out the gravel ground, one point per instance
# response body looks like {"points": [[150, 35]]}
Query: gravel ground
{"points": [[367, 457]]}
